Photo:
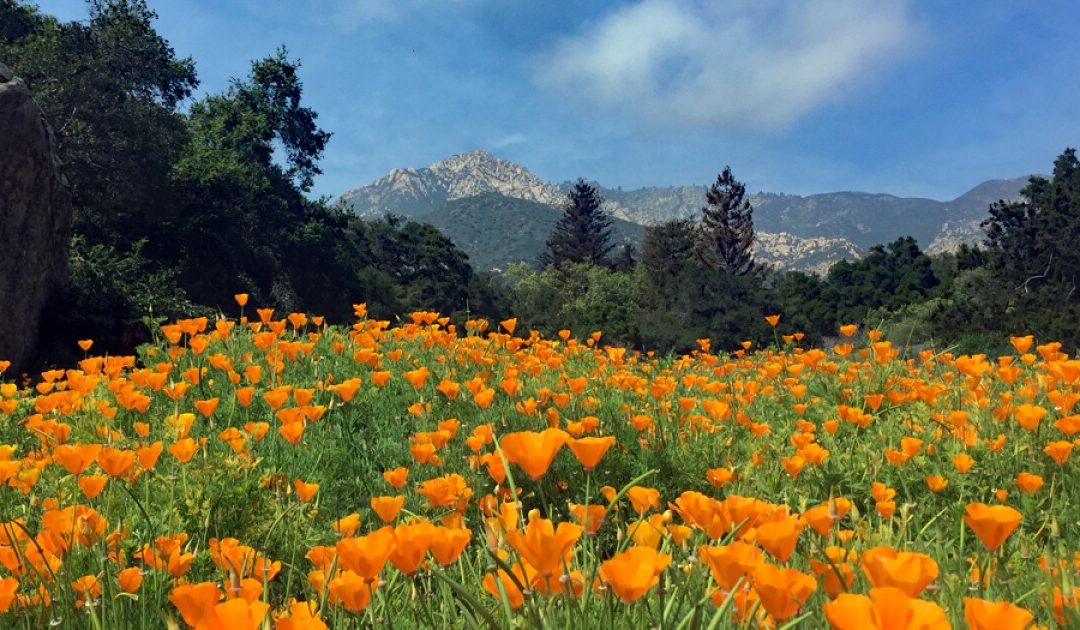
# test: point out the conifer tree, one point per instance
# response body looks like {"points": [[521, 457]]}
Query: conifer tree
{"points": [[727, 227], [583, 233]]}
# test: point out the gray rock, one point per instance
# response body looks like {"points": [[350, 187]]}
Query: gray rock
{"points": [[35, 220]]}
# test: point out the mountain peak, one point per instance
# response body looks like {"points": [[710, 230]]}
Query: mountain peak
{"points": [[476, 155], [418, 191]]}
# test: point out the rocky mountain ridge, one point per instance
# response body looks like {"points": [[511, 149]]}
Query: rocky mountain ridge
{"points": [[415, 191], [794, 232]]}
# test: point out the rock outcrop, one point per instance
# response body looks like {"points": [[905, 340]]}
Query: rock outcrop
{"points": [[35, 220], [413, 192]]}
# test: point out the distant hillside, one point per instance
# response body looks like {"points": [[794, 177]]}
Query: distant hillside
{"points": [[473, 198], [865, 219], [496, 230]]}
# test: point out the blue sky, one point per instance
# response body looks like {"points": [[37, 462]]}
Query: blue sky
{"points": [[913, 97]]}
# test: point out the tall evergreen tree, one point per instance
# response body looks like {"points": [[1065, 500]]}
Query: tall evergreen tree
{"points": [[727, 227], [1031, 245], [583, 233]]}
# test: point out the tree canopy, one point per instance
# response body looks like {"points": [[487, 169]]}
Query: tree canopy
{"points": [[727, 227], [583, 233]]}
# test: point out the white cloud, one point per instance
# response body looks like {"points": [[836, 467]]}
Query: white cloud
{"points": [[747, 64], [509, 140]]}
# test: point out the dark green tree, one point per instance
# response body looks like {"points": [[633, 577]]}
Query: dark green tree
{"points": [[727, 227], [1033, 240], [243, 221], [583, 233], [110, 89], [1033, 258]]}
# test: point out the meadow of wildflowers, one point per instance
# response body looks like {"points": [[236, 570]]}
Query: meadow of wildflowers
{"points": [[273, 471]]}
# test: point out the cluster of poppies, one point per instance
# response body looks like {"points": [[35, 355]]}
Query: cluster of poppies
{"points": [[831, 482]]}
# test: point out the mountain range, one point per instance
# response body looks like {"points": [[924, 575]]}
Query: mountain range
{"points": [[498, 212]]}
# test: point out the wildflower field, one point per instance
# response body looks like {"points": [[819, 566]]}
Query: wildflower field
{"points": [[278, 472]]}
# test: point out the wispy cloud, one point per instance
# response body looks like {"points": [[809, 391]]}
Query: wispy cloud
{"points": [[747, 64], [509, 140]]}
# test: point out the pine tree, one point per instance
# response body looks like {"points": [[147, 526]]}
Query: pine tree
{"points": [[727, 227], [583, 233]]}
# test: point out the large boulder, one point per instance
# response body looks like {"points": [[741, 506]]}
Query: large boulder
{"points": [[35, 220]]}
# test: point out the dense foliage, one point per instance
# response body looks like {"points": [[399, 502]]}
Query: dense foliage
{"points": [[192, 200]]}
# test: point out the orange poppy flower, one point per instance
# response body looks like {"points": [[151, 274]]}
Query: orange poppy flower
{"points": [[590, 450], [346, 525], [963, 463], [533, 452], [641, 422], [115, 462], [447, 491], [779, 535], [633, 572], [936, 483], [1029, 416], [508, 584], [183, 450], [1059, 451], [300, 616], [305, 491], [179, 563], [484, 397], [647, 532], [589, 516], [206, 407], [909, 571], [194, 601], [773, 320], [885, 609], [731, 562], [387, 507], [293, 432], [793, 465], [76, 458], [87, 588], [992, 524], [412, 543], [782, 590], [837, 572], [366, 555], [92, 485], [643, 499], [719, 477], [417, 377], [352, 591], [236, 614], [396, 477], [448, 544], [148, 455], [543, 546], [130, 579], [981, 614], [886, 508], [1028, 482]]}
